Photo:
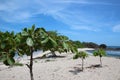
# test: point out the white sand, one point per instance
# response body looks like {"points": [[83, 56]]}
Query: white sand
{"points": [[83, 49], [65, 69]]}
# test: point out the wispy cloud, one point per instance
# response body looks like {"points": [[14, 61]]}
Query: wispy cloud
{"points": [[85, 2], [65, 11], [76, 19], [116, 28], [89, 28], [13, 11], [16, 18], [68, 32]]}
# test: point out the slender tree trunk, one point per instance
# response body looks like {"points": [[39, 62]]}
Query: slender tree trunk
{"points": [[54, 55], [82, 64], [31, 66], [101, 61]]}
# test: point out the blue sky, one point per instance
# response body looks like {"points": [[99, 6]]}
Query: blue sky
{"points": [[85, 20]]}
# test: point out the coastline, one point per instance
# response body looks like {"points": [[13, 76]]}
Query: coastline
{"points": [[64, 68]]}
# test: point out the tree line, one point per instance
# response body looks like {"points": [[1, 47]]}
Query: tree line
{"points": [[79, 44]]}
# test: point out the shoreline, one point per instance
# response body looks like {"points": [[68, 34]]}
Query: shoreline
{"points": [[39, 54]]}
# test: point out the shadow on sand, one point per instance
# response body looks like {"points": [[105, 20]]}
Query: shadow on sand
{"points": [[95, 66], [76, 70], [50, 56]]}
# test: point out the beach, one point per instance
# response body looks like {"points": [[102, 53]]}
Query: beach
{"points": [[64, 68]]}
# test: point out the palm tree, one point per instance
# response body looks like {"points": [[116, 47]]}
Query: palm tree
{"points": [[81, 55], [100, 53]]}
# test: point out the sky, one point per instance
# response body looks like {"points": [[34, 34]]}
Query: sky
{"points": [[84, 20]]}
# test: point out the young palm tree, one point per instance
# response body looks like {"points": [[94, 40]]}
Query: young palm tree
{"points": [[100, 53], [81, 55]]}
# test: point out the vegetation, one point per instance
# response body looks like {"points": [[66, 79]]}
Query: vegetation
{"points": [[90, 45], [7, 48], [61, 43], [77, 44], [50, 42], [52, 46], [100, 53], [81, 55], [103, 46], [30, 40]]}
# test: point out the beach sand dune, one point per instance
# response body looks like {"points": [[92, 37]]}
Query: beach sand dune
{"points": [[65, 68]]}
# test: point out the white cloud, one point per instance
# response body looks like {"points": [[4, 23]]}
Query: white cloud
{"points": [[76, 20], [116, 28], [69, 32], [89, 28], [87, 2], [13, 11], [23, 10], [17, 18], [36, 7]]}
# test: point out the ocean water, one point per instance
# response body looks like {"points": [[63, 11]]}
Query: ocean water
{"points": [[113, 47], [111, 53]]}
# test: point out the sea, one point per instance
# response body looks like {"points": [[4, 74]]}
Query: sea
{"points": [[110, 53]]}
